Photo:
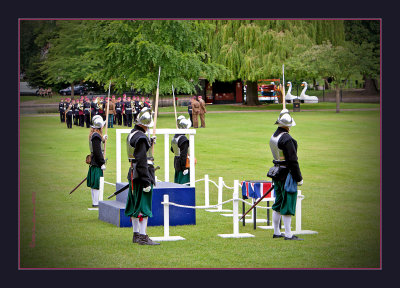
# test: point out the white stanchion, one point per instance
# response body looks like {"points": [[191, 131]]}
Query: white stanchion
{"points": [[166, 236], [101, 188], [298, 231], [236, 233], [220, 187], [206, 191]]}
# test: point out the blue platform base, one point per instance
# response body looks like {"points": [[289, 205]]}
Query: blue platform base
{"points": [[114, 211]]}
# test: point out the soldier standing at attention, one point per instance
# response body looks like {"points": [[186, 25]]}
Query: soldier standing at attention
{"points": [[114, 101], [69, 113], [61, 109], [141, 177], [180, 147], [97, 163], [118, 110], [124, 110], [128, 111], [203, 111], [81, 113], [190, 110], [195, 111], [110, 112], [86, 111], [284, 152]]}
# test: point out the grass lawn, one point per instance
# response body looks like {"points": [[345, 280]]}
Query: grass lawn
{"points": [[339, 156]]}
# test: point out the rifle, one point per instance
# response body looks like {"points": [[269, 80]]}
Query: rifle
{"points": [[259, 200]]}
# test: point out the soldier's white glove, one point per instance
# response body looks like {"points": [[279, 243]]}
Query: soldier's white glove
{"points": [[153, 140], [300, 183], [103, 167], [105, 137], [185, 171], [147, 189]]}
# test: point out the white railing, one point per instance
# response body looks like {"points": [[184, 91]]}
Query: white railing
{"points": [[235, 199], [166, 133]]}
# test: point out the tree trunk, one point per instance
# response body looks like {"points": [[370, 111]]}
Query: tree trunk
{"points": [[337, 98], [72, 90], [370, 86], [326, 84], [252, 93]]}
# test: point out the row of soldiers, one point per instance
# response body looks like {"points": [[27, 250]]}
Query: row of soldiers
{"points": [[121, 111]]}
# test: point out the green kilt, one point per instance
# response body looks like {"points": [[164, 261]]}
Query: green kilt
{"points": [[180, 178], [285, 203], [138, 202], [93, 177]]}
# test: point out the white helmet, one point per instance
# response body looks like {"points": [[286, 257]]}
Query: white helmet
{"points": [[145, 117], [98, 122], [184, 123], [179, 119], [285, 119]]}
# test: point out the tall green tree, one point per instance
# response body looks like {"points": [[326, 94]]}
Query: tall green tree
{"points": [[130, 53], [34, 44], [256, 49], [326, 60], [65, 61], [366, 35]]}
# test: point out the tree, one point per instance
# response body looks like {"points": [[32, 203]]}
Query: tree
{"points": [[34, 43], [366, 35], [256, 49], [65, 61], [326, 60], [130, 53]]}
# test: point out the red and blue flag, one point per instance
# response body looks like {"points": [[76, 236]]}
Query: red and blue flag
{"points": [[255, 189]]}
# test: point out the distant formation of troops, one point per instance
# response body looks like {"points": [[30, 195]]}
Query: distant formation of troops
{"points": [[80, 112]]}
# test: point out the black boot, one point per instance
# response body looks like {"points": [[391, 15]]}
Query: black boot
{"points": [[145, 240], [135, 238]]}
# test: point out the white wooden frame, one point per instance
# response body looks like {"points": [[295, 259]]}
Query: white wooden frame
{"points": [[166, 133]]}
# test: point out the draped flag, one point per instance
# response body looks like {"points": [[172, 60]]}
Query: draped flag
{"points": [[255, 188]]}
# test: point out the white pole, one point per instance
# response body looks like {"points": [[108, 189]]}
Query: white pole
{"points": [[206, 190], [166, 216], [192, 166], [101, 188], [166, 157], [298, 211], [235, 208], [118, 152], [220, 183], [156, 178]]}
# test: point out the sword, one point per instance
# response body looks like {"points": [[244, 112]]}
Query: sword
{"points": [[126, 186], [269, 190]]}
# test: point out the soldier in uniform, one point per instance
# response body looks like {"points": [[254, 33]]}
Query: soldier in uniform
{"points": [[147, 103], [87, 112], [190, 110], [135, 111], [114, 101], [97, 163], [284, 152], [118, 110], [180, 147], [61, 109], [69, 113], [137, 106], [123, 110], [76, 112], [195, 111], [81, 113], [203, 111], [128, 111], [141, 177], [110, 111]]}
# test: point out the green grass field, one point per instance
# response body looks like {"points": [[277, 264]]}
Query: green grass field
{"points": [[339, 156]]}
